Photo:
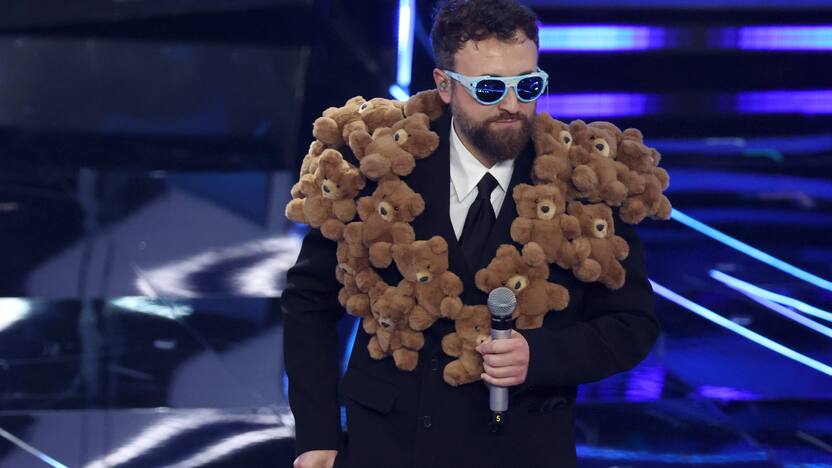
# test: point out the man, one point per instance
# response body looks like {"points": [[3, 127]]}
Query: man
{"points": [[414, 419]]}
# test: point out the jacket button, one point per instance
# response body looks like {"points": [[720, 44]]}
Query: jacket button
{"points": [[426, 421], [434, 364]]}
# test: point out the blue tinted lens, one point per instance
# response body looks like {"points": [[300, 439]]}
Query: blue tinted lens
{"points": [[489, 91], [529, 89]]}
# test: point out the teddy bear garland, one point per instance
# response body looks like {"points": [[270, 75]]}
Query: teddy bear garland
{"points": [[580, 170]]}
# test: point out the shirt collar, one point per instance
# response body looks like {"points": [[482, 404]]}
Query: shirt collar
{"points": [[466, 170]]}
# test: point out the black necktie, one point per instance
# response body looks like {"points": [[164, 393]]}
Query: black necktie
{"points": [[479, 221]]}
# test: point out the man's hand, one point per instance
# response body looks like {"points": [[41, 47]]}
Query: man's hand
{"points": [[506, 362], [316, 459]]}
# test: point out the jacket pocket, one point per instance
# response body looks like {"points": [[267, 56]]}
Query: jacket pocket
{"points": [[368, 391]]}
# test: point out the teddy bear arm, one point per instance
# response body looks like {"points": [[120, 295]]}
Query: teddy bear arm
{"points": [[452, 344], [402, 233], [521, 230], [620, 246], [451, 284]]}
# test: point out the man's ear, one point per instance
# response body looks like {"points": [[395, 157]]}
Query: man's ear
{"points": [[443, 84]]}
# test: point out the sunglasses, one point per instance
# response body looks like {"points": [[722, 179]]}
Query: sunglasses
{"points": [[490, 90]]}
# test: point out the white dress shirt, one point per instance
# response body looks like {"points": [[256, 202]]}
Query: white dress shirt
{"points": [[466, 172]]}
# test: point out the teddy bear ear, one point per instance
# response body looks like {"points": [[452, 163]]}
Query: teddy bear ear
{"points": [[506, 250], [520, 190], [438, 245], [484, 279]]}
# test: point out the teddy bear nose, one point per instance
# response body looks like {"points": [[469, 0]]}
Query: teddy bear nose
{"points": [[326, 189], [544, 209], [383, 211], [599, 227], [384, 324], [517, 284], [423, 279], [600, 147]]}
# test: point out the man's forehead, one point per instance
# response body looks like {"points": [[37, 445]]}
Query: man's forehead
{"points": [[495, 57]]}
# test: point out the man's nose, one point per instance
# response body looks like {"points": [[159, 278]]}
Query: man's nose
{"points": [[510, 103]]}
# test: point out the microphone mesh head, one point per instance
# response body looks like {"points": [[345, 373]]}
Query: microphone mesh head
{"points": [[501, 302]]}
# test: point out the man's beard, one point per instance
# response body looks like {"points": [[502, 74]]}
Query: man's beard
{"points": [[500, 145]]}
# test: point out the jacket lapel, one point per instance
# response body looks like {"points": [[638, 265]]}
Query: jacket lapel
{"points": [[432, 179]]}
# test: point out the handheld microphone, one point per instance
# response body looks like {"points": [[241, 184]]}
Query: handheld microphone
{"points": [[501, 304]]}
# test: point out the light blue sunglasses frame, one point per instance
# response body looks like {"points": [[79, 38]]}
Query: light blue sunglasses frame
{"points": [[470, 84]]}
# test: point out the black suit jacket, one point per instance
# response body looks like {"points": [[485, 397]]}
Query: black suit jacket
{"points": [[414, 419]]}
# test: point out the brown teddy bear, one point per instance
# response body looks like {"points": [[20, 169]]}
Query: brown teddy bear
{"points": [[643, 161], [329, 195], [337, 123], [527, 275], [425, 102], [379, 113], [385, 219], [393, 151], [424, 267], [595, 175], [473, 328], [552, 142], [542, 218], [606, 249], [356, 276], [391, 307]]}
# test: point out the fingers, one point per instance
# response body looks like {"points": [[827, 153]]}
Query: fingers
{"points": [[499, 346], [501, 382], [503, 360], [502, 372]]}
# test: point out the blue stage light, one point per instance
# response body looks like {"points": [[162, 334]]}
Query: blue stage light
{"points": [[601, 38], [350, 344], [740, 330], [32, 450], [752, 290], [404, 51], [603, 453], [751, 251], [398, 93]]}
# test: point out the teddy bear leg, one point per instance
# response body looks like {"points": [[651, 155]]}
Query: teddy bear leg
{"points": [[614, 278], [419, 318], [526, 322], [405, 359], [450, 307], [632, 211], [664, 209], [333, 229], [375, 349], [381, 254], [587, 271], [369, 324], [358, 305], [456, 375]]}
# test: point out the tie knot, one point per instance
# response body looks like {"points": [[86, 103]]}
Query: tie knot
{"points": [[485, 186]]}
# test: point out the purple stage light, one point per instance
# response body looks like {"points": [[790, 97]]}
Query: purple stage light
{"points": [[785, 102], [804, 38], [598, 105]]}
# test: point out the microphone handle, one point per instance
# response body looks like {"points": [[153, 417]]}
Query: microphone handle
{"points": [[498, 396]]}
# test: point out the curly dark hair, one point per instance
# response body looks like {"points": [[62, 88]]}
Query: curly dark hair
{"points": [[458, 21]]}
